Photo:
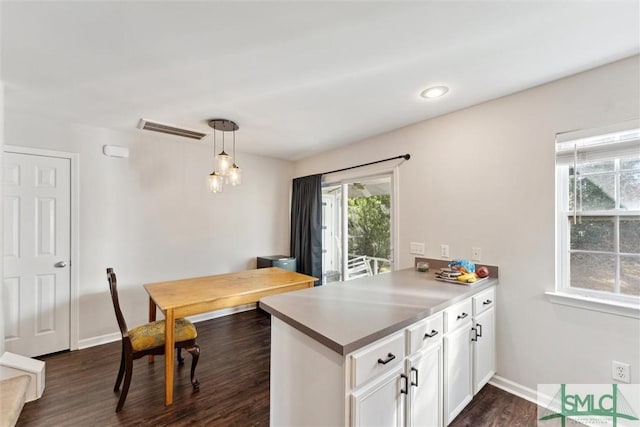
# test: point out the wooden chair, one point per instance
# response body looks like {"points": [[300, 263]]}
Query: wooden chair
{"points": [[147, 340]]}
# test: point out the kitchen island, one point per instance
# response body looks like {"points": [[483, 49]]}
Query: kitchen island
{"points": [[347, 353]]}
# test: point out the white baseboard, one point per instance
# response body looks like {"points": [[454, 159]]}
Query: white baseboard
{"points": [[108, 338], [102, 339], [514, 388], [220, 313]]}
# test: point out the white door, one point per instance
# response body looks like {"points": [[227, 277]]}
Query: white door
{"points": [[424, 407], [37, 253], [458, 365], [380, 402], [484, 350]]}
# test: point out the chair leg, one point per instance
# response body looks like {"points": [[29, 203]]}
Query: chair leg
{"points": [[195, 355], [180, 358], [120, 372], [127, 383]]}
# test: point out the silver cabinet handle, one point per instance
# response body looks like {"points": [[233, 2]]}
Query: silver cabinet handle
{"points": [[60, 264]]}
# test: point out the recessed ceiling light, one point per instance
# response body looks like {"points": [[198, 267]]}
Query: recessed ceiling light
{"points": [[434, 92]]}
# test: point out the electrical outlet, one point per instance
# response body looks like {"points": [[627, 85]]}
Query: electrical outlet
{"points": [[620, 372], [444, 251], [476, 254], [416, 248]]}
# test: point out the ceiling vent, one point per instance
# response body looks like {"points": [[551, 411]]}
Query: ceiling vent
{"points": [[170, 130]]}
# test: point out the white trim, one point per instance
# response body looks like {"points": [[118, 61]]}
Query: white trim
{"points": [[603, 301], [595, 304], [599, 131], [221, 313], [395, 218], [99, 340], [74, 295], [351, 175], [18, 149], [517, 389], [116, 336], [74, 319], [375, 171]]}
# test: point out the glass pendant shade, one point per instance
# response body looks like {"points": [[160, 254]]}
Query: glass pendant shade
{"points": [[224, 163], [225, 168], [215, 182], [235, 175]]}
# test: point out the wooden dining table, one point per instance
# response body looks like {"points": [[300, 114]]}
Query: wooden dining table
{"points": [[186, 297]]}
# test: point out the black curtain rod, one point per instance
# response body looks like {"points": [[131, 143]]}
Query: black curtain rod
{"points": [[404, 156]]}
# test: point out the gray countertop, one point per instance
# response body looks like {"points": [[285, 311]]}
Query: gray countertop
{"points": [[346, 316]]}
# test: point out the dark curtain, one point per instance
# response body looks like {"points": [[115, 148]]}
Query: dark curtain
{"points": [[306, 225]]}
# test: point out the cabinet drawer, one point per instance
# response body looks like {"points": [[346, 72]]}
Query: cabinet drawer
{"points": [[457, 315], [376, 358], [424, 333], [484, 301]]}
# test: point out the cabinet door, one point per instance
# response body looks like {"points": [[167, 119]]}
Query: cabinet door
{"points": [[380, 402], [424, 405], [458, 364], [484, 357]]}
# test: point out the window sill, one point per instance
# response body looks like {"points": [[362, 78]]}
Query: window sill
{"points": [[595, 304]]}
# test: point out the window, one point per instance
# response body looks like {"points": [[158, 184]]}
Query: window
{"points": [[598, 208]]}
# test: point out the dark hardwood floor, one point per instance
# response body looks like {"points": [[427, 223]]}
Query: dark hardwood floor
{"points": [[493, 407], [234, 386]]}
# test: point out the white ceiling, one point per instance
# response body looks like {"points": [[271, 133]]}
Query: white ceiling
{"points": [[298, 77]]}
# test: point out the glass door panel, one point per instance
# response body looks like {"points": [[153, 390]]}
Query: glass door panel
{"points": [[357, 228]]}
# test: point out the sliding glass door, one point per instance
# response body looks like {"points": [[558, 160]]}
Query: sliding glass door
{"points": [[357, 228]]}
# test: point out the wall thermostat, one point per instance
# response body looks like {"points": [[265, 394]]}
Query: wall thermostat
{"points": [[115, 151]]}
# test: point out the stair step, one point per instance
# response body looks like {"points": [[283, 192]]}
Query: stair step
{"points": [[13, 393]]}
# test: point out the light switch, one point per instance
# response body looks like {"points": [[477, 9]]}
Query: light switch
{"points": [[444, 251], [416, 248]]}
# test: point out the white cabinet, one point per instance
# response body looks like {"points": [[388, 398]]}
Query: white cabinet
{"points": [[458, 365], [378, 383], [415, 385], [484, 353], [377, 358], [469, 350], [380, 402], [422, 375], [424, 400], [424, 372]]}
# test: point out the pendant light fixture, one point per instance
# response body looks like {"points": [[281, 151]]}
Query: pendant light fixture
{"points": [[224, 160], [235, 173], [225, 166]]}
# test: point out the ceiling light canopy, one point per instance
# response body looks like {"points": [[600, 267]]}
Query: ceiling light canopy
{"points": [[434, 92], [225, 169]]}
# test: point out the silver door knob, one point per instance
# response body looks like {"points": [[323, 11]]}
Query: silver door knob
{"points": [[60, 264]]}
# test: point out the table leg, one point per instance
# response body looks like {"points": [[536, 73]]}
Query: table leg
{"points": [[169, 346], [152, 318]]}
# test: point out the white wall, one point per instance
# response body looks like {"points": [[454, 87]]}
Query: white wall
{"points": [[1, 213], [151, 217], [1, 193], [484, 176]]}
